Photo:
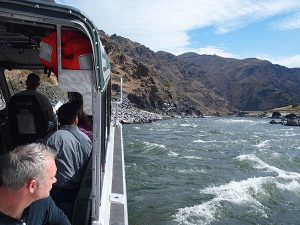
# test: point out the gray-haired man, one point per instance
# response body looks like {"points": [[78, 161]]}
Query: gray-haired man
{"points": [[26, 177]]}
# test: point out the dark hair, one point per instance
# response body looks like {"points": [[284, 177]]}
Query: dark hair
{"points": [[67, 113], [83, 120], [33, 80]]}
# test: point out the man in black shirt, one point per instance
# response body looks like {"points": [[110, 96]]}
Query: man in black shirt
{"points": [[26, 177], [32, 84]]}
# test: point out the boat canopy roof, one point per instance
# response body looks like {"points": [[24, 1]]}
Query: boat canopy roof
{"points": [[23, 23]]}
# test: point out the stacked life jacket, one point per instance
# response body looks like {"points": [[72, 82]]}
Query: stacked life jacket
{"points": [[76, 51]]}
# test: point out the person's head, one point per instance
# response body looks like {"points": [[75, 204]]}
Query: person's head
{"points": [[68, 113], [33, 81], [83, 119], [31, 167]]}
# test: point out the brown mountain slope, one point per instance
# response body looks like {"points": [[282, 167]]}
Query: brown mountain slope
{"points": [[158, 85], [248, 84], [194, 84]]}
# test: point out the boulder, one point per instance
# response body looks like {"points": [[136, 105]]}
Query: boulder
{"points": [[292, 122], [291, 115], [275, 122], [276, 115]]}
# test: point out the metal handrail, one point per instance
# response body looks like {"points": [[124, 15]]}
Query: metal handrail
{"points": [[118, 102]]}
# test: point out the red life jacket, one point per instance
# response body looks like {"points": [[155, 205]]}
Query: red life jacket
{"points": [[76, 51]]}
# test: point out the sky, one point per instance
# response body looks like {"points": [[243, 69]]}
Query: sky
{"points": [[264, 29]]}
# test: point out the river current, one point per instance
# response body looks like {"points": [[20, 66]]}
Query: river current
{"points": [[215, 170]]}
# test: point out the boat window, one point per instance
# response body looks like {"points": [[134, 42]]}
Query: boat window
{"points": [[108, 102], [105, 63], [2, 101], [105, 121], [49, 86], [103, 127], [16, 80]]}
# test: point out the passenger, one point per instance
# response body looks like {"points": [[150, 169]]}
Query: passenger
{"points": [[84, 122], [74, 149], [32, 83], [26, 177]]}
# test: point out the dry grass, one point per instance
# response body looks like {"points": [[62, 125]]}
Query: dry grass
{"points": [[128, 86], [288, 109], [283, 110]]}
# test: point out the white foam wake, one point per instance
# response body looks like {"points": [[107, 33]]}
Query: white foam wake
{"points": [[203, 214], [191, 171], [202, 141], [241, 121], [263, 145], [288, 134], [153, 145], [191, 157], [259, 164], [172, 154], [188, 125], [216, 141], [242, 193]]}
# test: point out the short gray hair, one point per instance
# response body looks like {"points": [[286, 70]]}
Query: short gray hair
{"points": [[24, 163]]}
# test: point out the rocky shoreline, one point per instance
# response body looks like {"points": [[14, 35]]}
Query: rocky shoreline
{"points": [[129, 114], [291, 119], [135, 115]]}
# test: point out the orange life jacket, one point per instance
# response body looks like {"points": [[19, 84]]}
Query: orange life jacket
{"points": [[76, 51]]}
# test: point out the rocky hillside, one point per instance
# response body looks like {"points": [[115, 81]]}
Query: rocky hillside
{"points": [[195, 84], [158, 85], [248, 84]]}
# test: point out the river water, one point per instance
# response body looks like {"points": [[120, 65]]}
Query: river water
{"points": [[216, 170]]}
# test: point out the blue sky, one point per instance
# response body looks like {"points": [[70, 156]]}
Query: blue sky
{"points": [[264, 29]]}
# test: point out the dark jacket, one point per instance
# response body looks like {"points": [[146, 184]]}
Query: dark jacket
{"points": [[41, 212]]}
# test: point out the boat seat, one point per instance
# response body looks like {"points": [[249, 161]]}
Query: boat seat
{"points": [[27, 121], [5, 138], [83, 203]]}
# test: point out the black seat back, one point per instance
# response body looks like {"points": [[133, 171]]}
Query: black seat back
{"points": [[27, 120], [83, 203]]}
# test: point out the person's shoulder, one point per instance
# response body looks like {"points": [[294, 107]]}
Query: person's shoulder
{"points": [[43, 203], [61, 133], [33, 93], [46, 210], [24, 92], [58, 137], [42, 95], [38, 95]]}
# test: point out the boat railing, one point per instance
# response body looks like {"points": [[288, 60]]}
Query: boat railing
{"points": [[117, 98]]}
